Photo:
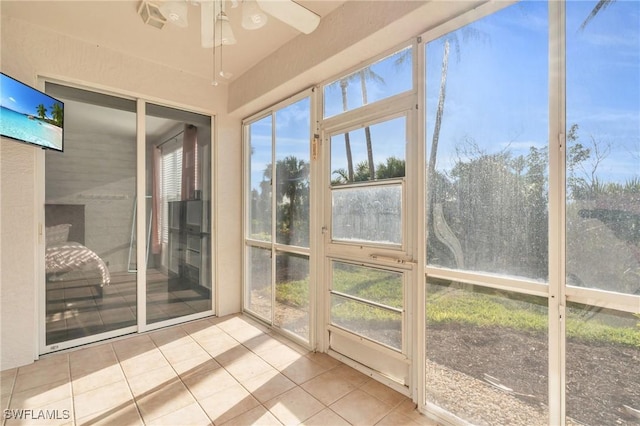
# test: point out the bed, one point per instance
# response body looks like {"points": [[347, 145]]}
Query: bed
{"points": [[63, 253]]}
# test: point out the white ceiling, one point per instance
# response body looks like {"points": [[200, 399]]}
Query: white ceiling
{"points": [[117, 25]]}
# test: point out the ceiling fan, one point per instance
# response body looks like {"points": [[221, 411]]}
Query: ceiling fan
{"points": [[254, 16]]}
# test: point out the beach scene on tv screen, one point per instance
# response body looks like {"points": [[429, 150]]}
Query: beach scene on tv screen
{"points": [[29, 115]]}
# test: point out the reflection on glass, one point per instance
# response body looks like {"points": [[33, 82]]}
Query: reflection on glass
{"points": [[372, 153], [381, 320], [178, 224], [368, 214], [292, 294], [603, 147], [487, 137], [487, 354], [258, 283], [387, 77], [90, 194], [602, 358], [260, 142], [292, 174]]}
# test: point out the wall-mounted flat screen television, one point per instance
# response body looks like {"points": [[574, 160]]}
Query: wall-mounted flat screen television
{"points": [[29, 115]]}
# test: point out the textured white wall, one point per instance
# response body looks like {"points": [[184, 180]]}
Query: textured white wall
{"points": [[28, 51], [17, 254]]}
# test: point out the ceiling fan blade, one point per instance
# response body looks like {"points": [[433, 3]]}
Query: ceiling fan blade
{"points": [[291, 13], [207, 14]]}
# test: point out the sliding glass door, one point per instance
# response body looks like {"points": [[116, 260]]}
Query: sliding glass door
{"points": [[90, 194], [93, 287], [178, 190]]}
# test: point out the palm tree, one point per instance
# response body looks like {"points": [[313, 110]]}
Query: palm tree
{"points": [[347, 142], [600, 6], [42, 111], [56, 113], [363, 75], [368, 74]]}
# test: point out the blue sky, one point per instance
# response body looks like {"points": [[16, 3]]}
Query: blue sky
{"points": [[22, 98], [498, 90]]}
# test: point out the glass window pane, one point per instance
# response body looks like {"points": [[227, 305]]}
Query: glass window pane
{"points": [[487, 354], [292, 173], [381, 325], [260, 143], [374, 152], [90, 191], [377, 285], [387, 77], [292, 294], [367, 214], [603, 146], [487, 136], [258, 283], [178, 205], [602, 358]]}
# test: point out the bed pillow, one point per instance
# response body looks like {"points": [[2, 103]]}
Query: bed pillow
{"points": [[57, 234]]}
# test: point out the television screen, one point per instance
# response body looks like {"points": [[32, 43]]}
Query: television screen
{"points": [[29, 115]]}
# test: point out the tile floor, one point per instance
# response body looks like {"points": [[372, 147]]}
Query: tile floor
{"points": [[228, 370], [75, 309]]}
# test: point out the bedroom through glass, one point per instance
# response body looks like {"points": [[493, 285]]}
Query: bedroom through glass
{"points": [[90, 193], [94, 288]]}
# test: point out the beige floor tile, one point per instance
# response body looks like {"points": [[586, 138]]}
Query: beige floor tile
{"points": [[350, 374], [234, 354], [143, 363], [267, 385], [40, 396], [195, 364], [294, 406], [202, 330], [57, 362], [191, 415], [303, 370], [171, 337], [4, 402], [152, 381], [281, 356], [206, 383], [37, 378], [328, 387], [124, 415], [133, 346], [258, 416], [244, 333], [323, 359], [383, 393], [326, 417], [7, 380], [219, 346], [188, 350], [97, 378], [396, 419], [87, 360], [228, 404], [408, 409], [249, 366], [360, 408], [102, 399], [262, 343], [163, 401]]}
